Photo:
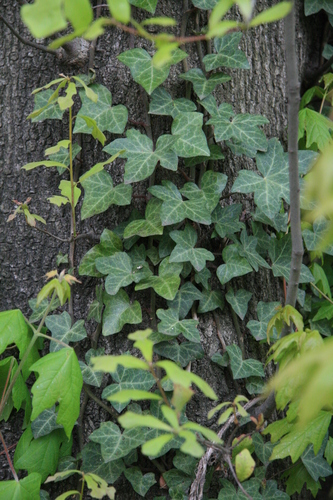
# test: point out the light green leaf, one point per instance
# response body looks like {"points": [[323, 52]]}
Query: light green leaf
{"points": [[149, 5], [44, 17], [210, 300], [120, 10], [201, 85], [329, 451], [272, 14], [98, 167], [140, 483], [109, 364], [149, 226], [154, 446], [59, 380], [241, 368], [317, 128], [25, 489], [143, 70], [61, 329], [109, 244], [66, 101], [190, 138], [179, 353], [132, 394], [265, 311], [79, 13], [96, 131], [171, 325], [244, 465], [44, 163], [118, 312], [228, 54], [62, 156], [184, 250], [161, 103], [107, 117], [100, 194]]}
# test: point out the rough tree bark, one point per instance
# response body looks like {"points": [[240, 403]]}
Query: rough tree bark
{"points": [[26, 255]]}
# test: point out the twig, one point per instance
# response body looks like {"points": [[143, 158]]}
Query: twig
{"points": [[100, 403], [183, 27], [8, 458], [25, 41], [50, 234], [321, 293], [218, 330], [94, 42], [231, 467], [7, 379]]}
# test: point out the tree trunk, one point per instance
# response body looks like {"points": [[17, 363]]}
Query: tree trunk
{"points": [[26, 255]]}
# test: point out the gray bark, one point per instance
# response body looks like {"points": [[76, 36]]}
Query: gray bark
{"points": [[27, 255]]}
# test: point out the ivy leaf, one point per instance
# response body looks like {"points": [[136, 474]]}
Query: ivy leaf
{"points": [[263, 450], [314, 239], [128, 379], [244, 465], [247, 249], [62, 156], [215, 154], [184, 299], [118, 312], [201, 85], [107, 117], [171, 325], [242, 129], [59, 380], [239, 301], [180, 353], [228, 53], [166, 283], [109, 244], [265, 313], [143, 70], [229, 491], [45, 423], [90, 376], [234, 266], [317, 128], [20, 395], [190, 138], [313, 6], [25, 489], [39, 311], [316, 465], [44, 110], [272, 493], [203, 277], [100, 194], [14, 330], [149, 226], [92, 461], [226, 219], [184, 250], [205, 4], [140, 483], [39, 455], [241, 368], [162, 104], [297, 476], [61, 329], [149, 5], [280, 254], [114, 444], [210, 300]]}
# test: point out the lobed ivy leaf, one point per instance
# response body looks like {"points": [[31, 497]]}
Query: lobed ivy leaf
{"points": [[184, 299], [45, 423], [239, 301], [118, 312], [90, 376], [27, 488], [167, 282], [59, 380], [149, 226], [109, 244], [171, 325], [140, 483], [161, 103], [247, 249], [313, 6], [62, 156], [92, 461], [100, 194], [315, 464], [229, 492], [234, 266], [263, 450], [228, 54], [184, 250], [60, 325], [149, 5], [143, 70], [201, 85], [215, 154], [315, 239], [179, 353], [280, 254], [205, 4], [296, 477], [241, 368], [203, 278], [114, 444], [210, 300], [226, 219], [265, 311], [190, 138], [107, 117]]}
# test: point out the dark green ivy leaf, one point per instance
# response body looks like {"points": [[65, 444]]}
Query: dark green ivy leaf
{"points": [[239, 301], [228, 54], [203, 86], [162, 104], [119, 311]]}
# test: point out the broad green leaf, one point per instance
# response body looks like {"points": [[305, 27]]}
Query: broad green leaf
{"points": [[313, 6], [226, 220], [234, 266], [295, 442], [143, 70], [66, 191], [132, 420], [221, 360], [178, 481], [190, 138], [92, 461], [272, 14], [265, 311], [154, 446], [272, 493], [244, 465], [99, 488], [242, 129], [316, 465], [317, 128], [280, 254], [161, 103], [79, 13], [39, 455], [241, 368], [273, 186], [19, 396], [114, 444], [100, 194], [297, 477], [109, 364], [44, 17], [140, 483], [210, 300], [263, 450], [59, 380], [228, 54], [203, 278], [184, 299], [185, 463], [166, 283], [66, 101], [118, 312], [107, 117], [120, 10], [43, 163], [44, 110], [179, 353], [149, 5], [90, 376], [96, 131], [60, 325], [185, 250], [239, 301], [171, 325], [149, 226], [201, 85], [109, 244], [25, 489], [315, 239], [45, 423], [14, 330]]}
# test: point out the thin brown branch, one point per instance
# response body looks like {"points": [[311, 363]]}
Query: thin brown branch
{"points": [[231, 467], [8, 458], [50, 234], [100, 403]]}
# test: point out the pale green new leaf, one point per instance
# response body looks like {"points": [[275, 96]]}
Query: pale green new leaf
{"points": [[44, 110], [107, 117], [25, 489], [272, 14], [44, 17], [228, 54], [317, 127], [202, 86], [143, 70], [241, 368], [100, 194], [140, 483], [120, 10], [60, 325], [19, 396], [59, 380], [118, 312]]}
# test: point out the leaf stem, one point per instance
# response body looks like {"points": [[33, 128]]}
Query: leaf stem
{"points": [[100, 403], [54, 340], [321, 293], [231, 467], [71, 171], [8, 458]]}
